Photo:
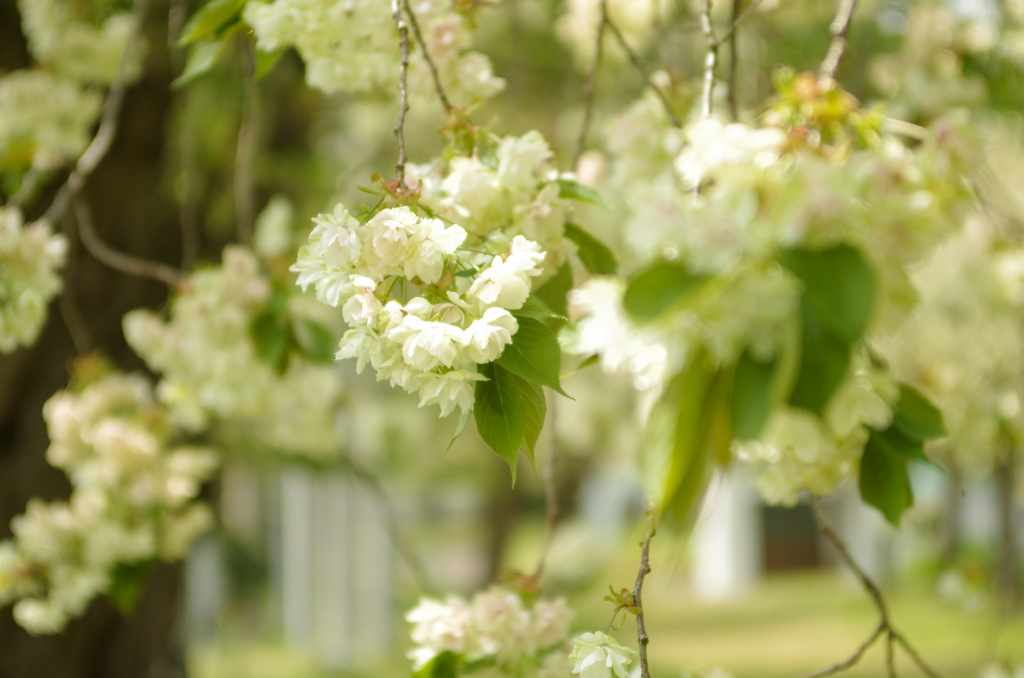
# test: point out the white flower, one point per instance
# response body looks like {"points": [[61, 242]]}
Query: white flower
{"points": [[712, 145], [519, 159], [487, 337], [439, 626], [506, 282], [431, 242], [449, 390], [596, 655], [426, 344], [363, 306], [388, 242]]}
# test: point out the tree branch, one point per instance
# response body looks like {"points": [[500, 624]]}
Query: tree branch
{"points": [[403, 88], [733, 57], [438, 87], [588, 86], [120, 261], [710, 57], [839, 27], [645, 569], [638, 64], [109, 118], [884, 625]]}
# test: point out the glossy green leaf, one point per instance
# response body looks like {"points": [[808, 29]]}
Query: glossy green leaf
{"points": [[752, 396], [534, 354], [574, 190], [201, 59], [884, 481], [444, 665], [839, 288], [916, 417], [895, 442], [500, 413], [658, 288], [555, 293], [210, 19], [594, 254], [536, 412]]}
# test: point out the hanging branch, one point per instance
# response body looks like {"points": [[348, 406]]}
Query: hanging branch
{"points": [[734, 111], [550, 497], [119, 261], [839, 27], [403, 88], [438, 87], [884, 625], [245, 149], [109, 119], [736, 21], [710, 57], [588, 86], [638, 64], [645, 569]]}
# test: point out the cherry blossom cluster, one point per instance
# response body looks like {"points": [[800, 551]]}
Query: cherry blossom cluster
{"points": [[134, 501], [353, 45], [456, 312], [497, 630], [212, 376], [29, 259]]}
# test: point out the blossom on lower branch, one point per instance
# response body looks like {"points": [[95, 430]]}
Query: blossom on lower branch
{"points": [[598, 655], [423, 312]]}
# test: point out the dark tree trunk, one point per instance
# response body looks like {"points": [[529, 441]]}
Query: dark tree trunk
{"points": [[132, 213]]}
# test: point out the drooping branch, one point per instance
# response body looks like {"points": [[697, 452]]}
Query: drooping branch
{"points": [[734, 55], [710, 57], [403, 88], [839, 27], [119, 261], [638, 64], [589, 84], [109, 120], [245, 149], [434, 74], [645, 569], [885, 627]]}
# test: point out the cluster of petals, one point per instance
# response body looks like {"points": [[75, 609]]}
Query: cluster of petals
{"points": [[458, 316], [496, 624], [134, 500]]}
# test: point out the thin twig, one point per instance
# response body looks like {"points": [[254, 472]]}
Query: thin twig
{"points": [[109, 118], [373, 484], [852, 659], [638, 64], [890, 657], [119, 261], [885, 623], [645, 569], [187, 148], [710, 57], [588, 86], [245, 150], [550, 497], [734, 111], [403, 88], [736, 21], [30, 185], [438, 87], [839, 27]]}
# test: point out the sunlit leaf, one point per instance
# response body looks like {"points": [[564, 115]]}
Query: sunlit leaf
{"points": [[536, 411], [594, 254], [201, 59], [210, 19], [658, 288], [574, 190], [500, 414], [555, 294], [534, 354], [752, 396]]}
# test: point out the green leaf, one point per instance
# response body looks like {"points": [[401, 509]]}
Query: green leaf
{"points": [[210, 19], [574, 190], [594, 254], [658, 288], [126, 585], [884, 481], [839, 288], [271, 339], [201, 58], [835, 309], [444, 665], [500, 413], [687, 429], [534, 354], [894, 441], [916, 417], [555, 293], [265, 61], [536, 412], [317, 342], [537, 309], [752, 396]]}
